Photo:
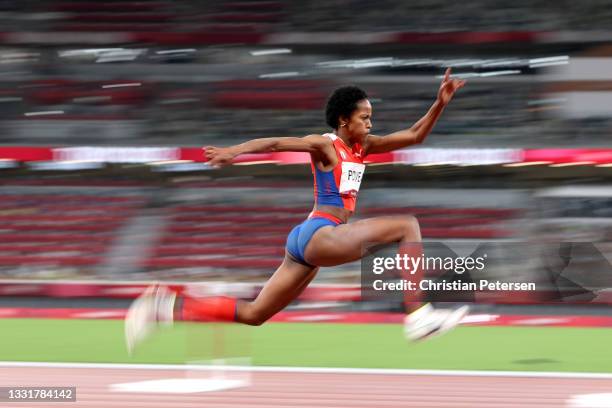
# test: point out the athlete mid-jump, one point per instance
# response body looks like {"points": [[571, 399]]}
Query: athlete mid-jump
{"points": [[325, 238]]}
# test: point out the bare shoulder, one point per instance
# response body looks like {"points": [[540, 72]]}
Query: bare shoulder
{"points": [[323, 150], [371, 142], [318, 143], [318, 140]]}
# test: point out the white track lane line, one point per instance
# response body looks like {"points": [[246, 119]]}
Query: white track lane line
{"points": [[313, 370]]}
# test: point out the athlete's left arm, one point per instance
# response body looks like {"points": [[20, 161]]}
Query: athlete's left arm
{"points": [[419, 131]]}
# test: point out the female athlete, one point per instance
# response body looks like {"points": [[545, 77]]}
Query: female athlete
{"points": [[325, 238]]}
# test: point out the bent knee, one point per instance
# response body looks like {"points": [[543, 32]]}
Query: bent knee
{"points": [[412, 222], [411, 227]]}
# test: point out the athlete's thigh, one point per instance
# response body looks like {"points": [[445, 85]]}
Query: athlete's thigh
{"points": [[348, 242], [286, 284]]}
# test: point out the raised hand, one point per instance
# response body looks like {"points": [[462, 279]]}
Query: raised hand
{"points": [[448, 87], [218, 156]]}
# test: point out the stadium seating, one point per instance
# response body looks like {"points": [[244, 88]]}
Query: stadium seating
{"points": [[251, 239], [187, 114], [60, 233], [314, 16]]}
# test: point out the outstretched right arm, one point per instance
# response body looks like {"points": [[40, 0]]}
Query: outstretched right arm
{"points": [[319, 146]]}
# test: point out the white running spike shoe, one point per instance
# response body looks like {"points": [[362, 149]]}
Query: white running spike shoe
{"points": [[426, 322], [153, 308]]}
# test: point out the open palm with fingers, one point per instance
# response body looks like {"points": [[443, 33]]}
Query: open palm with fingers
{"points": [[448, 87]]}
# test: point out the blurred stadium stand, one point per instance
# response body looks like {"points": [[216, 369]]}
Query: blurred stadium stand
{"points": [[168, 73], [187, 74], [190, 236]]}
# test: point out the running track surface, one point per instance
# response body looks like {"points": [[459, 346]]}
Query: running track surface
{"points": [[321, 390]]}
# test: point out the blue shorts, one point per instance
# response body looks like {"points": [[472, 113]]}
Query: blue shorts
{"points": [[301, 234]]}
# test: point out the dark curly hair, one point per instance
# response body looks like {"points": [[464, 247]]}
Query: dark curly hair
{"points": [[342, 102]]}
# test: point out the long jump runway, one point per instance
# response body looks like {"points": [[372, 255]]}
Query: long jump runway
{"points": [[97, 386]]}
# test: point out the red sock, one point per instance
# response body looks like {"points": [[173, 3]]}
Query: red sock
{"points": [[218, 308]]}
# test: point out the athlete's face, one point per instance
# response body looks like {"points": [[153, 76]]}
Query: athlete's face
{"points": [[360, 122]]}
